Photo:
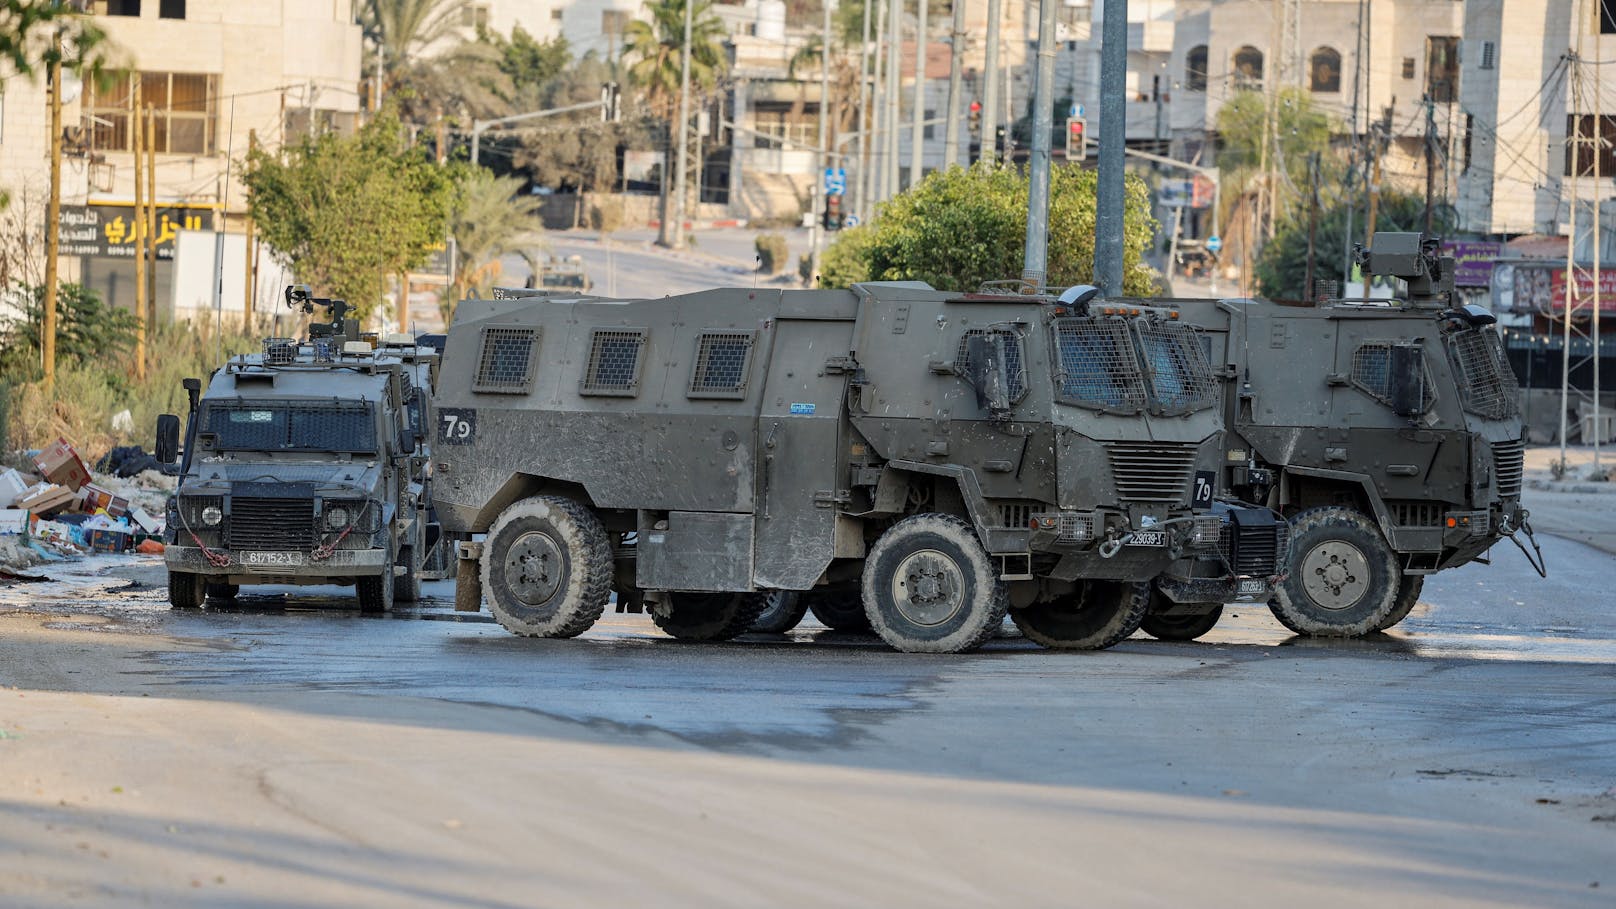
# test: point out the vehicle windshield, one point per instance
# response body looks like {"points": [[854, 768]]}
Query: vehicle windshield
{"points": [[1118, 364], [335, 426], [1487, 385], [1180, 376]]}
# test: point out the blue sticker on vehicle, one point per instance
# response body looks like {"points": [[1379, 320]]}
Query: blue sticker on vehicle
{"points": [[802, 408]]}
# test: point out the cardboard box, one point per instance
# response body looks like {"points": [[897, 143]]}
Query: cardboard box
{"points": [[62, 465], [144, 522], [110, 540], [13, 520], [95, 499], [46, 499], [12, 486]]}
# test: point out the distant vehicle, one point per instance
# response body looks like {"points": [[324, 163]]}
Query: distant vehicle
{"points": [[561, 274], [914, 461], [305, 464]]}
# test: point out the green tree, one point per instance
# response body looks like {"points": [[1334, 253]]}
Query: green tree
{"points": [[87, 332], [962, 227], [489, 220], [527, 61], [429, 70], [26, 47], [1300, 130], [348, 212], [1281, 267]]}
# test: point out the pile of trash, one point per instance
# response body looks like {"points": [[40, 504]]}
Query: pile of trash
{"points": [[54, 507]]}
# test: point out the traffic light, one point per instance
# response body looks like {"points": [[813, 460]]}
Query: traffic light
{"points": [[976, 116], [1001, 142], [611, 102], [1077, 146]]}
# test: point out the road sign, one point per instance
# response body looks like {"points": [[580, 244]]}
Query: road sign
{"points": [[1176, 193], [1213, 244], [835, 181]]}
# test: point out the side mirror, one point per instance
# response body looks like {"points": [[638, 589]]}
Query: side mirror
{"points": [[1407, 380], [984, 355], [168, 438]]}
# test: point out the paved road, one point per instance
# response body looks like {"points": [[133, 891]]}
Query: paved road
{"points": [[290, 752]]}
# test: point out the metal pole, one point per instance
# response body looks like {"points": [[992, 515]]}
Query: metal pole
{"points": [[873, 149], [894, 99], [684, 133], [1035, 257], [1430, 162], [476, 141], [1108, 222], [917, 133], [1312, 226], [53, 215], [822, 159], [862, 184], [140, 234], [956, 84], [990, 84]]}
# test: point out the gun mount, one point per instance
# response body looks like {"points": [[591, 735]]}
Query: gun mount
{"points": [[301, 297], [1414, 257]]}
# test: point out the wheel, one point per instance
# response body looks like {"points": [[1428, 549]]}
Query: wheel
{"points": [[407, 586], [547, 568], [708, 616], [223, 591], [375, 592], [1344, 577], [782, 610], [1408, 596], [1181, 627], [929, 587], [839, 610], [1100, 615], [186, 589]]}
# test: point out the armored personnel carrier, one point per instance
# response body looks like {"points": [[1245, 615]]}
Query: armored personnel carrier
{"points": [[1388, 434], [304, 464], [931, 460]]}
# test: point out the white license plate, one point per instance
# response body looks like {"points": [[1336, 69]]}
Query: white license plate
{"points": [[271, 559], [1253, 588], [1148, 538]]}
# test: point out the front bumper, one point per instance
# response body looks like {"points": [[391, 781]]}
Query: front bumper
{"points": [[266, 567]]}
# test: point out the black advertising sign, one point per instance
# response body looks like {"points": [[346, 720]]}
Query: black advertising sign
{"points": [[109, 230]]}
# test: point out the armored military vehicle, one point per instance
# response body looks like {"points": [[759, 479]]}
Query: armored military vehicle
{"points": [[930, 459], [1388, 434], [304, 464]]}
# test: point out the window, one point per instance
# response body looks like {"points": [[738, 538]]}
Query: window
{"points": [[185, 107], [1195, 69], [244, 425], [1095, 364], [171, 9], [1326, 70], [1017, 385], [614, 21], [555, 14], [930, 131], [505, 362], [1607, 17], [1442, 69], [1469, 131], [1408, 67], [614, 362], [1372, 373], [1489, 54], [1248, 67], [1584, 133], [1181, 379], [474, 15], [117, 7], [722, 361]]}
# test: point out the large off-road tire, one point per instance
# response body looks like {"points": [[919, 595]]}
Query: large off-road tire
{"points": [[1408, 596], [838, 610], [547, 568], [407, 586], [782, 611], [186, 589], [1099, 615], [223, 591], [1181, 627], [375, 592], [1343, 579], [704, 617], [929, 587]]}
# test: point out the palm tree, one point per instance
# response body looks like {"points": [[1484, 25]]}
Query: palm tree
{"points": [[489, 221], [427, 66], [657, 49]]}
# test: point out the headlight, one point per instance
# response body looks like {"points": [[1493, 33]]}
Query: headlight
{"points": [[212, 515], [337, 518]]}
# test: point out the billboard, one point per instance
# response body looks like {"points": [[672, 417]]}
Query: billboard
{"points": [[108, 231], [1473, 261]]}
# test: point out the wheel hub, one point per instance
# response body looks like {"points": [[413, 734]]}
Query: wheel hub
{"points": [[928, 587], [1335, 575], [534, 568]]}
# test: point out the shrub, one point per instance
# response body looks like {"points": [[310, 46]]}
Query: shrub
{"points": [[773, 256], [606, 215]]}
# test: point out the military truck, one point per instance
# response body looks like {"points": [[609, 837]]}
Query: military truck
{"points": [[1388, 434], [304, 464], [931, 459]]}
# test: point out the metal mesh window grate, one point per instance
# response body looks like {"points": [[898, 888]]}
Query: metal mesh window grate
{"points": [[1013, 360], [1372, 373], [1096, 364], [346, 426], [505, 362], [1486, 383], [614, 361], [1180, 372], [722, 358]]}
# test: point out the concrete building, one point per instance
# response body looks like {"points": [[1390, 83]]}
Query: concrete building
{"points": [[214, 71]]}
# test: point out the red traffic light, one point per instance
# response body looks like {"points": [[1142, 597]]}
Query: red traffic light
{"points": [[976, 107], [1077, 127]]}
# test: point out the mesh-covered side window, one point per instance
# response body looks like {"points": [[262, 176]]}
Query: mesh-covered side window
{"points": [[1180, 372], [277, 426], [506, 359], [1095, 364], [1013, 359], [1487, 385], [614, 361], [1372, 373], [723, 359]]}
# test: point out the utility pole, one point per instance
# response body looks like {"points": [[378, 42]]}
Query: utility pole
{"points": [[956, 83], [822, 159], [1312, 226], [151, 214], [1374, 193], [990, 84], [53, 214], [138, 138], [678, 234], [251, 274], [862, 184], [873, 147], [1035, 257], [894, 97], [1108, 222], [917, 133], [1430, 160]]}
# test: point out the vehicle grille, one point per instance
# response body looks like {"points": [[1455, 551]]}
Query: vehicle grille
{"points": [[1260, 550], [1508, 466], [264, 523], [1416, 514], [1146, 472]]}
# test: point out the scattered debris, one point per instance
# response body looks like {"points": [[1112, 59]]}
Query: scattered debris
{"points": [[60, 464], [12, 577]]}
